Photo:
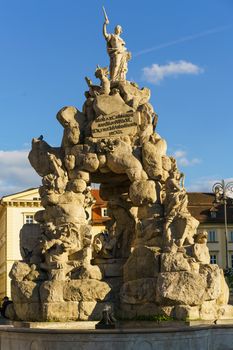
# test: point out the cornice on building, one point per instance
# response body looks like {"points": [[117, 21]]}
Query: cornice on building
{"points": [[21, 203]]}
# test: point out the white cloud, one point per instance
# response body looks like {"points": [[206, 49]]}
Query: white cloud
{"points": [[179, 154], [156, 73], [182, 159], [205, 184], [16, 173]]}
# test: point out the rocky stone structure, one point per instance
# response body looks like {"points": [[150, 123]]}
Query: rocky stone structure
{"points": [[150, 259]]}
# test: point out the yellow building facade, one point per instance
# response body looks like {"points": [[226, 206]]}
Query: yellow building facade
{"points": [[15, 211], [217, 243]]}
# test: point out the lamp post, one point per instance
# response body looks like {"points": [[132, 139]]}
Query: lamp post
{"points": [[222, 191]]}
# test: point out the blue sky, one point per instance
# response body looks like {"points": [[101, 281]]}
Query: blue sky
{"points": [[182, 50]]}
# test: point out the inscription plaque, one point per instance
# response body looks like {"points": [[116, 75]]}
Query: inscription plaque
{"points": [[115, 125]]}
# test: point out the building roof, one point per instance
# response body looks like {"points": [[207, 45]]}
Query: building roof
{"points": [[30, 194], [99, 201], [201, 204]]}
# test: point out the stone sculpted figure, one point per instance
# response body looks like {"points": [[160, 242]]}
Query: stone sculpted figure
{"points": [[102, 74], [104, 243], [176, 199], [66, 117], [119, 56]]}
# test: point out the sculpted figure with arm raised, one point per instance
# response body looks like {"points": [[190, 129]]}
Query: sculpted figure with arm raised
{"points": [[119, 56]]}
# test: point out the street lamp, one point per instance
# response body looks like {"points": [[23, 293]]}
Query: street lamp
{"points": [[222, 191]]}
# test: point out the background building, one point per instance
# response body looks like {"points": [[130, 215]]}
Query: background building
{"points": [[15, 211], [98, 213], [211, 217], [19, 209]]}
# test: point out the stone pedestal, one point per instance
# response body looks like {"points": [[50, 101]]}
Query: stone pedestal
{"points": [[61, 300]]}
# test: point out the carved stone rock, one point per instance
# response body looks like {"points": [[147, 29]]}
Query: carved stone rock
{"points": [[60, 312], [180, 288], [142, 263], [86, 290], [19, 271], [139, 291], [113, 104], [142, 192], [201, 253], [173, 262], [183, 312], [132, 95]]}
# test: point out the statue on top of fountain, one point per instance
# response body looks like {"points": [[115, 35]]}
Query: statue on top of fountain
{"points": [[119, 56]]}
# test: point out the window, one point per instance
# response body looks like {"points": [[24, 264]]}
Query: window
{"points": [[104, 212], [231, 236], [213, 258], [29, 219], [212, 237], [232, 260], [213, 214]]}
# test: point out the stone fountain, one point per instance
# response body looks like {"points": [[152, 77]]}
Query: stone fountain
{"points": [[150, 260]]}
